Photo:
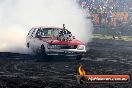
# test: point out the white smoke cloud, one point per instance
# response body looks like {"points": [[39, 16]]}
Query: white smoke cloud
{"points": [[18, 16]]}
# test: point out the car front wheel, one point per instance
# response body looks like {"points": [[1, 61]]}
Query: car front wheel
{"points": [[42, 51]]}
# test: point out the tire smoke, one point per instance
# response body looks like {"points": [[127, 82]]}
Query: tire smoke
{"points": [[17, 17]]}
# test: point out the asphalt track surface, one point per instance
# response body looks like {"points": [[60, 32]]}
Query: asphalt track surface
{"points": [[104, 57]]}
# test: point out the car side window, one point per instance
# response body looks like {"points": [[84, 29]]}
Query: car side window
{"points": [[33, 32], [29, 33], [38, 32]]}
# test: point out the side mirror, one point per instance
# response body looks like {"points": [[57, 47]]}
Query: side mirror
{"points": [[73, 37]]}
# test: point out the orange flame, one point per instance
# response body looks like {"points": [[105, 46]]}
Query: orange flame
{"points": [[82, 72]]}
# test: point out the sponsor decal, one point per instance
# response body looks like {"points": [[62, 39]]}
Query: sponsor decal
{"points": [[82, 77]]}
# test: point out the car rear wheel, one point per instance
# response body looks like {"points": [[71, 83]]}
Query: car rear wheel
{"points": [[79, 57]]}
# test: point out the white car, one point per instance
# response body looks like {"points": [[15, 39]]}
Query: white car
{"points": [[54, 41]]}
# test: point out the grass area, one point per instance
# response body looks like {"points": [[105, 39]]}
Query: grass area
{"points": [[100, 36]]}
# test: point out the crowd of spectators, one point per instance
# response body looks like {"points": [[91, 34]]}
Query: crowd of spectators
{"points": [[105, 8], [96, 6]]}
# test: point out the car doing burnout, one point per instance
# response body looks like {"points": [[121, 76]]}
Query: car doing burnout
{"points": [[54, 41]]}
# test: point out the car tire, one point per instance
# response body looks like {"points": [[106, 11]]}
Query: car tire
{"points": [[28, 45], [42, 51], [79, 57]]}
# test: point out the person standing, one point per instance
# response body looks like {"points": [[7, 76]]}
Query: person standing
{"points": [[100, 18], [109, 17]]}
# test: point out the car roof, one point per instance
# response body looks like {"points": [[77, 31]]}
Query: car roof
{"points": [[47, 27]]}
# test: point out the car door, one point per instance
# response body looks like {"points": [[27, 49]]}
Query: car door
{"points": [[37, 40], [33, 38]]}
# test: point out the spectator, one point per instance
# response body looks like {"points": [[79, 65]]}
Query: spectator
{"points": [[100, 18], [109, 17]]}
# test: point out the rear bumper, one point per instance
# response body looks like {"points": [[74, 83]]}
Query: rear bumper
{"points": [[66, 52]]}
